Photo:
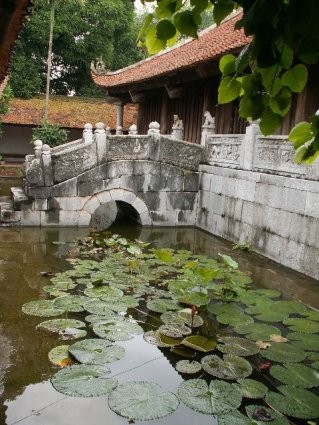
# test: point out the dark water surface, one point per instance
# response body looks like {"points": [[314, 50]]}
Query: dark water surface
{"points": [[27, 395]]}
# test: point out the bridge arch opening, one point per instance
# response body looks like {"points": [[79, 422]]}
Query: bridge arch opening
{"points": [[117, 206]]}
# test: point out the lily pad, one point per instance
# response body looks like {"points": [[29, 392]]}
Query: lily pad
{"points": [[168, 340], [83, 381], [297, 375], [218, 398], [42, 308], [230, 308], [67, 328], [97, 306], [59, 356], [295, 402], [229, 367], [251, 388], [115, 304], [237, 346], [183, 317], [140, 400], [235, 319], [174, 330], [71, 303], [162, 305], [188, 367], [153, 338], [302, 325], [303, 340], [234, 418], [96, 351], [195, 298], [95, 318], [103, 291], [117, 330], [200, 343], [257, 331], [284, 353], [311, 314], [261, 415]]}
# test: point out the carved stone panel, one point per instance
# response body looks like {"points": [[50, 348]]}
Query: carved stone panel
{"points": [[224, 150], [276, 154], [131, 147], [182, 154]]}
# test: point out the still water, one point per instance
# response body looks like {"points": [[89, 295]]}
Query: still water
{"points": [[27, 397]]}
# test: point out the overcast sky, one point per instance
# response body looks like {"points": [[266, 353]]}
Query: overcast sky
{"points": [[139, 6]]}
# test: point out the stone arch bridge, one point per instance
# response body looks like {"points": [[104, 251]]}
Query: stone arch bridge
{"points": [[153, 178]]}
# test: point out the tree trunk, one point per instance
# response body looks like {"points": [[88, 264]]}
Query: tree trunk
{"points": [[49, 60]]}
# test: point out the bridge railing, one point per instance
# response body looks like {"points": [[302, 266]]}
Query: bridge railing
{"points": [[51, 166]]}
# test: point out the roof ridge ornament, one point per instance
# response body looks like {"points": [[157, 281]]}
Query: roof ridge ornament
{"points": [[98, 66]]}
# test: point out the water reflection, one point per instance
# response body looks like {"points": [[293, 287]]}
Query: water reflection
{"points": [[28, 398]]}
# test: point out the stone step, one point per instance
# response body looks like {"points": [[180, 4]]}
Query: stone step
{"points": [[18, 197], [7, 213]]}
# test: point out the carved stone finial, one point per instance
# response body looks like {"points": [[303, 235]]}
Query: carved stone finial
{"points": [[87, 133], [99, 126], [177, 128], [108, 130], [38, 148], [154, 127], [133, 129], [119, 130], [98, 66], [46, 150]]}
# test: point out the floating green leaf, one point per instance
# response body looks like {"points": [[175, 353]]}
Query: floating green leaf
{"points": [[174, 330], [234, 418], [153, 338], [162, 305], [295, 402], [188, 367], [83, 381], [261, 415], [218, 398], [168, 340], [182, 317], [67, 328], [257, 331], [200, 343], [71, 303], [97, 307], [140, 400], [225, 308], [230, 367], [235, 319], [42, 308], [284, 353], [103, 291], [229, 261], [297, 375], [117, 330], [96, 351], [251, 388], [306, 341], [59, 356], [237, 346], [302, 325], [195, 298]]}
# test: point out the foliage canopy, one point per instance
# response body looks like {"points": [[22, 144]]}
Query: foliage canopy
{"points": [[267, 72]]}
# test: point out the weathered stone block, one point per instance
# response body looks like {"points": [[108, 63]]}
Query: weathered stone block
{"points": [[40, 205], [166, 218], [96, 174], [67, 188], [30, 218], [133, 147], [119, 168], [181, 200], [73, 203], [312, 204], [182, 154], [90, 187], [146, 167], [191, 182]]}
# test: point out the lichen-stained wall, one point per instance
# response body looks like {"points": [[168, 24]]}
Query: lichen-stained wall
{"points": [[279, 215]]}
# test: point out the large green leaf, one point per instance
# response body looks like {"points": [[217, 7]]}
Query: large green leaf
{"points": [[297, 375], [195, 298], [222, 9], [83, 381], [103, 291], [261, 415], [165, 29], [218, 398], [228, 90], [302, 325], [141, 400], [60, 356], [183, 317], [200, 343], [185, 22], [67, 328], [188, 367], [270, 122], [227, 64], [295, 78], [96, 351], [295, 402], [284, 353], [42, 308], [162, 305], [237, 346], [70, 303], [251, 388], [230, 367], [122, 330], [305, 341], [234, 418], [257, 331]]}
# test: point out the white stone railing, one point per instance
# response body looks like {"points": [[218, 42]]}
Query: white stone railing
{"points": [[254, 152]]}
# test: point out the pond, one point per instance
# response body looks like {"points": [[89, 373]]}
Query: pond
{"points": [[28, 397]]}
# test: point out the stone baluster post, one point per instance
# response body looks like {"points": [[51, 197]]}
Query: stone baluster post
{"points": [[87, 133], [249, 145], [154, 128], [47, 165], [119, 130], [101, 142], [133, 129], [38, 148], [107, 131]]}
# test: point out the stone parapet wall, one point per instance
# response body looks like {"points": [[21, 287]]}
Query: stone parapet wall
{"points": [[278, 215]]}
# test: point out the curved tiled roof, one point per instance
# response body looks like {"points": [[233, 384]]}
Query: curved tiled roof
{"points": [[12, 17], [211, 44], [71, 112]]}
